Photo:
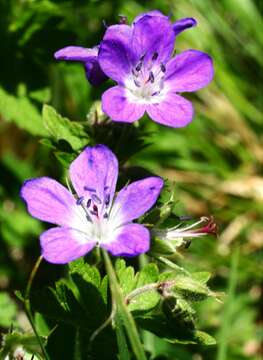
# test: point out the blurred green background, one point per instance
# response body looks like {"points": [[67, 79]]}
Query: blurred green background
{"points": [[215, 162]]}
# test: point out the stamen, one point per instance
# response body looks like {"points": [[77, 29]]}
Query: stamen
{"points": [[88, 203], [156, 93], [142, 57], [86, 188], [107, 199], [185, 217], [136, 82], [96, 199], [88, 217], [80, 200], [106, 188], [155, 56], [138, 66], [151, 77], [163, 68], [94, 211], [105, 216], [134, 73]]}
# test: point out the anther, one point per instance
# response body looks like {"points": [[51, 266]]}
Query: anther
{"points": [[105, 216], [156, 93], [88, 203], [138, 66], [106, 188], [107, 199], [86, 188], [80, 200], [96, 199], [151, 77], [136, 82], [163, 68], [155, 56]]}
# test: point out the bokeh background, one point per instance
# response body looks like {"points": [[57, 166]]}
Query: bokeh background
{"points": [[215, 162]]}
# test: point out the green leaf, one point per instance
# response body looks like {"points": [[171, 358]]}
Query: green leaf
{"points": [[203, 338], [61, 128], [7, 310], [89, 273], [27, 342], [148, 299], [126, 276], [202, 276], [22, 112], [190, 288]]}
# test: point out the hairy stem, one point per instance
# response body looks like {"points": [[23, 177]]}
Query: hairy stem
{"points": [[28, 307], [128, 320]]}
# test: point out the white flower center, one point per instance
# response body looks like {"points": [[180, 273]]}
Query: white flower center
{"points": [[93, 217], [145, 84]]}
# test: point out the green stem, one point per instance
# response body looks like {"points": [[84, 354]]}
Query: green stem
{"points": [[128, 320], [28, 307]]}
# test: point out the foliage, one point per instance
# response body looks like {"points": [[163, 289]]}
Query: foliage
{"points": [[213, 166]]}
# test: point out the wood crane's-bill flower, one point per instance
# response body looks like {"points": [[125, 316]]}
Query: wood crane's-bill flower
{"points": [[93, 216], [139, 58]]}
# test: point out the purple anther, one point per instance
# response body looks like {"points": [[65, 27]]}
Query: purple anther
{"points": [[155, 56], [151, 77], [80, 200], [163, 68], [105, 216], [88, 203], [136, 82], [138, 66], [107, 199], [96, 199], [86, 188]]}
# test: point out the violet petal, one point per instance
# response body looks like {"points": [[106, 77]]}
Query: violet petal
{"points": [[48, 200], [76, 53], [89, 58], [61, 245], [174, 111], [189, 71], [115, 56], [150, 13], [117, 106], [153, 34], [136, 198], [131, 240], [183, 24], [95, 170]]}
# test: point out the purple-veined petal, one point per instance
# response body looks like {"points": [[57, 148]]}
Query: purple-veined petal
{"points": [[183, 24], [94, 173], [150, 13], [61, 245], [76, 53], [173, 111], [130, 240], [94, 73], [49, 201], [153, 34], [115, 56], [117, 106], [135, 199], [89, 58], [189, 71]]}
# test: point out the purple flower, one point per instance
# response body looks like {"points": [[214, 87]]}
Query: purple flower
{"points": [[94, 216], [89, 58], [139, 59]]}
